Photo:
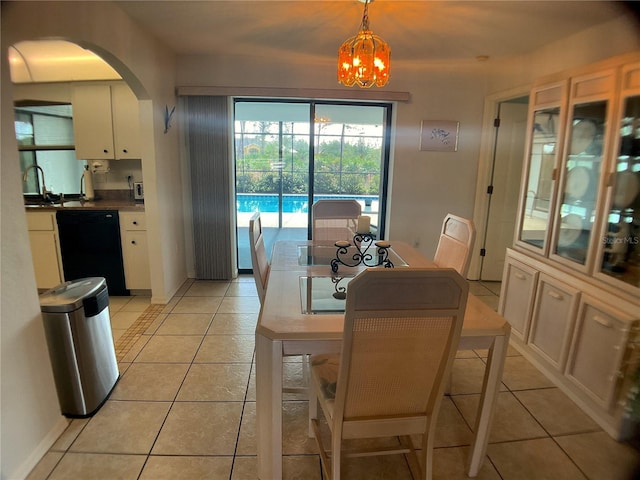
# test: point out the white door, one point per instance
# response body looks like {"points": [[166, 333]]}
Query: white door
{"points": [[507, 170]]}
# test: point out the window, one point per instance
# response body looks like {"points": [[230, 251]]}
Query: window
{"points": [[45, 138]]}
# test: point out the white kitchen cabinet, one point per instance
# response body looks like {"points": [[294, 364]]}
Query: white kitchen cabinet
{"points": [[516, 298], [553, 319], [134, 250], [106, 122], [599, 350], [45, 249]]}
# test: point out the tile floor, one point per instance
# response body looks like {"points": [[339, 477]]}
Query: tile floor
{"points": [[184, 407]]}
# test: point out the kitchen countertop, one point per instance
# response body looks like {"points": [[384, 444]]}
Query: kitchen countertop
{"points": [[121, 205]]}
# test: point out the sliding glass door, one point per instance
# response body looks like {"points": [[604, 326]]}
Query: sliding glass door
{"points": [[290, 154]]}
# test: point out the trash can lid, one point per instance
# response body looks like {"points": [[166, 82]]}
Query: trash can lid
{"points": [[68, 296]]}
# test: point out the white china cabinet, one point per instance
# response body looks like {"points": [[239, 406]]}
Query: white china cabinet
{"points": [[571, 283]]}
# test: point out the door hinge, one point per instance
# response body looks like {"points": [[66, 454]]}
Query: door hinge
{"points": [[490, 189], [496, 122], [483, 252]]}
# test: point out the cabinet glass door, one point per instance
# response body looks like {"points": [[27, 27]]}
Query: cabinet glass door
{"points": [[539, 191], [584, 154], [621, 252]]}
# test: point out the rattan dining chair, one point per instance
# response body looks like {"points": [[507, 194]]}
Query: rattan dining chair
{"points": [[401, 332], [335, 219], [455, 244], [259, 260]]}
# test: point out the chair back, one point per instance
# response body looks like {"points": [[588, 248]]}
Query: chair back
{"points": [[401, 332], [335, 219], [259, 261], [455, 244]]}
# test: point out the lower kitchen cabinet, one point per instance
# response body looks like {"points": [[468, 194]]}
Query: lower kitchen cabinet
{"points": [[598, 355], [134, 250], [553, 319], [578, 333], [516, 298], [45, 249]]}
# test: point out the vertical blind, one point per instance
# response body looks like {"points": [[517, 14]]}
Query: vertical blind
{"points": [[209, 160]]}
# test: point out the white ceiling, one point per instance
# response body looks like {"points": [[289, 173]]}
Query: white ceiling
{"points": [[416, 30]]}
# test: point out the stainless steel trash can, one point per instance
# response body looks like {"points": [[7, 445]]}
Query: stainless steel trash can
{"points": [[78, 331]]}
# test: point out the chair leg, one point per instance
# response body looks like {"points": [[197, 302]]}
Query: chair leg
{"points": [[336, 447]]}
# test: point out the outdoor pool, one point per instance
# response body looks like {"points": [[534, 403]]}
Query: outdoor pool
{"points": [[266, 203]]}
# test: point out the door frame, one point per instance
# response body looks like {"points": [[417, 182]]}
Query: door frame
{"points": [[485, 168]]}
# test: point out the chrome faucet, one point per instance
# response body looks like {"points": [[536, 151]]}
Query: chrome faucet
{"points": [[44, 186]]}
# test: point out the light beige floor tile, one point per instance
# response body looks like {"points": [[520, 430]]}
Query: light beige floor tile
{"points": [[376, 468], [70, 434], [233, 323], [150, 381], [239, 305], [600, 456], [520, 374], [511, 352], [243, 289], [466, 354], [226, 349], [247, 442], [168, 349], [245, 468], [479, 289], [467, 376], [117, 333], [200, 428], [295, 429], [197, 305], [494, 287], [116, 303], [215, 382], [556, 412], [45, 466], [206, 288], [251, 390], [122, 427], [490, 300], [98, 467], [168, 308], [451, 429], [451, 464], [185, 324], [511, 421], [191, 468], [135, 350], [137, 304], [305, 467], [539, 459], [124, 319], [184, 287]]}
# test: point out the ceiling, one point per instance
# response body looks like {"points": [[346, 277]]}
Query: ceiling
{"points": [[417, 30]]}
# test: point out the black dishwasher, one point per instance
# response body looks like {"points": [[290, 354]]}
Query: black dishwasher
{"points": [[90, 247]]}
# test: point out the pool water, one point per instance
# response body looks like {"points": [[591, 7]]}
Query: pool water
{"points": [[267, 203]]}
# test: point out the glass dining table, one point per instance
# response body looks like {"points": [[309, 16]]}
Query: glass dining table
{"points": [[303, 313]]}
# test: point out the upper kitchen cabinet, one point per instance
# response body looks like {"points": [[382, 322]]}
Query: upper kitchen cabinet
{"points": [[618, 255], [544, 148], [106, 122]]}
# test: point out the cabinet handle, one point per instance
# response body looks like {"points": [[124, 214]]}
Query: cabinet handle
{"points": [[124, 150], [556, 295], [605, 322], [134, 222], [105, 151], [133, 242], [520, 276]]}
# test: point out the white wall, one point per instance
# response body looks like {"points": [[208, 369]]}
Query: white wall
{"points": [[28, 408]]}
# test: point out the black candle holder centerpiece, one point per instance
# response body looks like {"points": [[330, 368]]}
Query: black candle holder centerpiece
{"points": [[362, 256]]}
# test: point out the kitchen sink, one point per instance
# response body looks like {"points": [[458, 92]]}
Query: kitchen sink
{"points": [[38, 200]]}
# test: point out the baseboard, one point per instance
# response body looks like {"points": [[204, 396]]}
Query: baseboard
{"points": [[40, 451]]}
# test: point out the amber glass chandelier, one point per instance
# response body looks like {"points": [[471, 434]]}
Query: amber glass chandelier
{"points": [[364, 60]]}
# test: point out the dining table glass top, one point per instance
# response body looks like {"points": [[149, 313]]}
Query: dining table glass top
{"points": [[319, 255], [324, 294]]}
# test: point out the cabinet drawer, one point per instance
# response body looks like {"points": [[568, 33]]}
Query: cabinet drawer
{"points": [[41, 221], [553, 319], [597, 351], [132, 221], [517, 296]]}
